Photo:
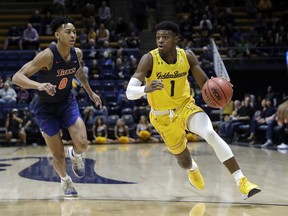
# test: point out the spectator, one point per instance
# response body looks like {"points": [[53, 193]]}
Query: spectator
{"points": [[23, 96], [206, 61], [272, 131], [95, 71], [45, 25], [243, 116], [59, 7], [30, 38], [100, 131], [121, 28], [144, 131], [251, 8], [14, 127], [186, 27], [121, 132], [260, 118], [102, 35], [88, 12], [83, 37], [13, 38], [36, 21], [104, 13], [7, 94], [265, 7]]}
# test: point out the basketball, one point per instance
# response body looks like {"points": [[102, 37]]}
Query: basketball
{"points": [[217, 92]]}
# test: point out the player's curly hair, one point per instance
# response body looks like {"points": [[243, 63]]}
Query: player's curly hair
{"points": [[168, 25], [56, 23]]}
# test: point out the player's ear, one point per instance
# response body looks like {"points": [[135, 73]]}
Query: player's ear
{"points": [[176, 39], [56, 34]]}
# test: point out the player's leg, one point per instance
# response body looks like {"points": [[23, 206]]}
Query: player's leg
{"points": [[56, 147], [174, 136], [185, 161], [78, 135], [200, 124]]}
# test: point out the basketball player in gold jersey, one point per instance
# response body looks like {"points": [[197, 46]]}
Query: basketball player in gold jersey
{"points": [[165, 70]]}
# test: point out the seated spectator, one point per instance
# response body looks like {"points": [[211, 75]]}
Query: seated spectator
{"points": [[14, 127], [13, 38], [272, 131], [59, 7], [30, 38], [7, 94], [23, 96], [83, 37], [45, 24], [206, 61], [102, 35], [260, 118], [265, 7], [29, 125], [104, 13], [186, 27], [95, 71], [133, 41], [144, 131], [36, 21], [121, 132], [241, 117], [88, 11], [100, 132]]}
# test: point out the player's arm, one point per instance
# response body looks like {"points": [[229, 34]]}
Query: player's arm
{"points": [[80, 75], [198, 74], [42, 60], [135, 90]]}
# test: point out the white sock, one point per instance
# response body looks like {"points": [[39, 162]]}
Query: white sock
{"points": [[237, 176], [65, 178], [194, 166]]}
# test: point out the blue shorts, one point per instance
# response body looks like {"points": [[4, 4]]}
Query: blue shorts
{"points": [[51, 117]]}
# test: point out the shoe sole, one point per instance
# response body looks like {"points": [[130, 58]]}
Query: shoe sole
{"points": [[252, 193]]}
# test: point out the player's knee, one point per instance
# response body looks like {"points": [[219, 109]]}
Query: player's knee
{"points": [[82, 144], [58, 158]]}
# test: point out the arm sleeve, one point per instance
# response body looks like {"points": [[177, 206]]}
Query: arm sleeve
{"points": [[134, 89]]}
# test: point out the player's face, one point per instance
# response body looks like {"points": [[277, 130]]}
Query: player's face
{"points": [[67, 34], [165, 40]]}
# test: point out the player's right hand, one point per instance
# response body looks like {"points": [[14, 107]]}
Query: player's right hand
{"points": [[48, 87], [154, 85]]}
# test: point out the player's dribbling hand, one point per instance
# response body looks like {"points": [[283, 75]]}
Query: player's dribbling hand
{"points": [[48, 87], [154, 85], [96, 99]]}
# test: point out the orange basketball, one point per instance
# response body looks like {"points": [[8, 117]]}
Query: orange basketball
{"points": [[217, 92]]}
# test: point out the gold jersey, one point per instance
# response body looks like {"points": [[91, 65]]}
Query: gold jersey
{"points": [[174, 77]]}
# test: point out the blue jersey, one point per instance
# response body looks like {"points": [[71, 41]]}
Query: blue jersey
{"points": [[61, 74], [61, 110]]}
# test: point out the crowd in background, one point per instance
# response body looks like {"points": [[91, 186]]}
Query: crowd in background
{"points": [[252, 120]]}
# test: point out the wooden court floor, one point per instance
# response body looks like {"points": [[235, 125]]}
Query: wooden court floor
{"points": [[141, 179]]}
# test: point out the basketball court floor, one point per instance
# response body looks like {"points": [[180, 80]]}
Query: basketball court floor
{"points": [[141, 179]]}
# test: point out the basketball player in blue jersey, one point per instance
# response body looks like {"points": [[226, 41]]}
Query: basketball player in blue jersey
{"points": [[55, 107], [173, 111]]}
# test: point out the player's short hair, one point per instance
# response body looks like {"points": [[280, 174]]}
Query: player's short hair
{"points": [[168, 25], [58, 22]]}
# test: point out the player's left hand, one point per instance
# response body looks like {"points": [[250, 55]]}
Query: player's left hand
{"points": [[96, 99]]}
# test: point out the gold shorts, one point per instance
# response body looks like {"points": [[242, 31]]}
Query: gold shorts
{"points": [[173, 130]]}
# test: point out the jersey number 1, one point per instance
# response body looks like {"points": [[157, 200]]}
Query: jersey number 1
{"points": [[172, 87]]}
